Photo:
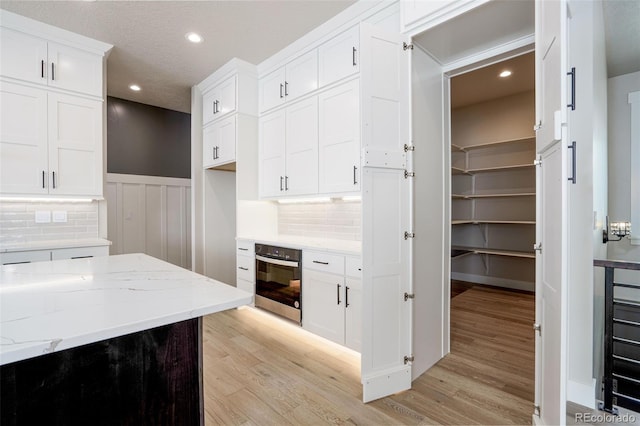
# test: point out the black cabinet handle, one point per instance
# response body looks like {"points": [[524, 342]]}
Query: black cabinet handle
{"points": [[42, 68], [53, 71], [286, 183], [54, 180], [243, 249], [286, 88], [354, 57], [320, 263], [572, 147], [281, 179], [281, 87], [355, 171], [572, 73], [243, 268], [338, 292], [346, 297], [81, 257], [43, 179]]}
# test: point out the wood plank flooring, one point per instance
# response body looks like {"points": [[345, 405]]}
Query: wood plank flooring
{"points": [[259, 370]]}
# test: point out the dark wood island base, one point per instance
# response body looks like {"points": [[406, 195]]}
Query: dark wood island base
{"points": [[151, 377]]}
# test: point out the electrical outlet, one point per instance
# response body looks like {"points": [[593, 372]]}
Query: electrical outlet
{"points": [[60, 216], [43, 216]]}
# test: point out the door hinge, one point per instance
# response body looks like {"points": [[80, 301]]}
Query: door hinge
{"points": [[537, 126], [406, 46], [408, 235], [408, 359], [537, 247], [408, 174], [537, 162], [408, 296], [408, 147], [538, 328], [536, 410]]}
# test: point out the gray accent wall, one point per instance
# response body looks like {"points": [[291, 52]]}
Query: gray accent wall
{"points": [[147, 140]]}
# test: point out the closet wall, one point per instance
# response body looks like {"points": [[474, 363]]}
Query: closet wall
{"points": [[493, 191]]}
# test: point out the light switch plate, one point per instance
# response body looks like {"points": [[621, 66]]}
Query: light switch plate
{"points": [[43, 216], [60, 216]]}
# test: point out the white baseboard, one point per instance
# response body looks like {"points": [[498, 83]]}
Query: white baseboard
{"points": [[582, 394], [494, 281], [386, 383]]}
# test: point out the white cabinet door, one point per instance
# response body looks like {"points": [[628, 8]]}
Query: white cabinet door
{"points": [[301, 75], [75, 145], [208, 106], [23, 140], [272, 154], [74, 69], [272, 89], [339, 139], [323, 304], [226, 97], [226, 148], [209, 142], [302, 148], [79, 252], [338, 57], [16, 257], [23, 57], [353, 313]]}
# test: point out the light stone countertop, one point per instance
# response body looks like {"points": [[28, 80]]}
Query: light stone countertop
{"points": [[51, 306], [53, 244], [347, 247]]}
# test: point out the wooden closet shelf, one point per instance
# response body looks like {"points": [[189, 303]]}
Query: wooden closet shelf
{"points": [[498, 168], [497, 252], [490, 144], [468, 196], [458, 171]]}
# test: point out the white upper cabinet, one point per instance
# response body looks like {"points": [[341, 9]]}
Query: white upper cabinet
{"points": [[219, 143], [339, 139], [50, 143], [289, 82], [289, 150], [338, 58], [220, 100], [35, 60]]}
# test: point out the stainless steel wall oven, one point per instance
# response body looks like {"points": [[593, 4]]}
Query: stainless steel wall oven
{"points": [[279, 281]]}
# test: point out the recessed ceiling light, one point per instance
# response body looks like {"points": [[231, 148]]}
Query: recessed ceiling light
{"points": [[194, 38], [505, 73], [135, 88]]}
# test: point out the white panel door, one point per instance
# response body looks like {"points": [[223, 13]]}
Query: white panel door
{"points": [[323, 304], [23, 140], [226, 146], [338, 57], [339, 138], [302, 75], [301, 175], [551, 211], [74, 69], [386, 316], [272, 154], [23, 57], [210, 137], [272, 89], [226, 96], [75, 145], [209, 106]]}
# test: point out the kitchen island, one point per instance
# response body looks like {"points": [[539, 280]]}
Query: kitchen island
{"points": [[107, 340]]}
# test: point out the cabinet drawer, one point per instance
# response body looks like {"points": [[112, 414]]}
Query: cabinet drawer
{"points": [[246, 286], [353, 266], [246, 248], [246, 268], [325, 262], [25, 257], [79, 252]]}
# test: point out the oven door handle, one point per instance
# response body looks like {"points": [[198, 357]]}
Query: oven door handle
{"points": [[277, 261]]}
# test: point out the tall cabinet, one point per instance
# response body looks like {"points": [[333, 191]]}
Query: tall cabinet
{"points": [[51, 109]]}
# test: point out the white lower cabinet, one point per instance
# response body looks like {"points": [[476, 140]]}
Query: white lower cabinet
{"points": [[246, 266], [331, 299], [16, 257]]}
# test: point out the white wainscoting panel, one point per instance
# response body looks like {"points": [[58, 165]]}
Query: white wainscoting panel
{"points": [[150, 214]]}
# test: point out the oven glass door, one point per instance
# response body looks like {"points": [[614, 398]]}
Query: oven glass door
{"points": [[278, 280]]}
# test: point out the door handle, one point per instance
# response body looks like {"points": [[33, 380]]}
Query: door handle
{"points": [[42, 68], [243, 268], [43, 179], [286, 88], [281, 179], [572, 147], [53, 71], [355, 171], [286, 183], [346, 297], [281, 88], [572, 73], [338, 292], [354, 56], [54, 180], [320, 263]]}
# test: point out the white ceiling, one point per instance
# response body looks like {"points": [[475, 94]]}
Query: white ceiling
{"points": [[150, 47]]}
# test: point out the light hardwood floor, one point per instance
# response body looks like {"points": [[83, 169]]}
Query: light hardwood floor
{"points": [[263, 371]]}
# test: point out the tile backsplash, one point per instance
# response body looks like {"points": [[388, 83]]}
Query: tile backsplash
{"points": [[18, 224], [336, 220]]}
